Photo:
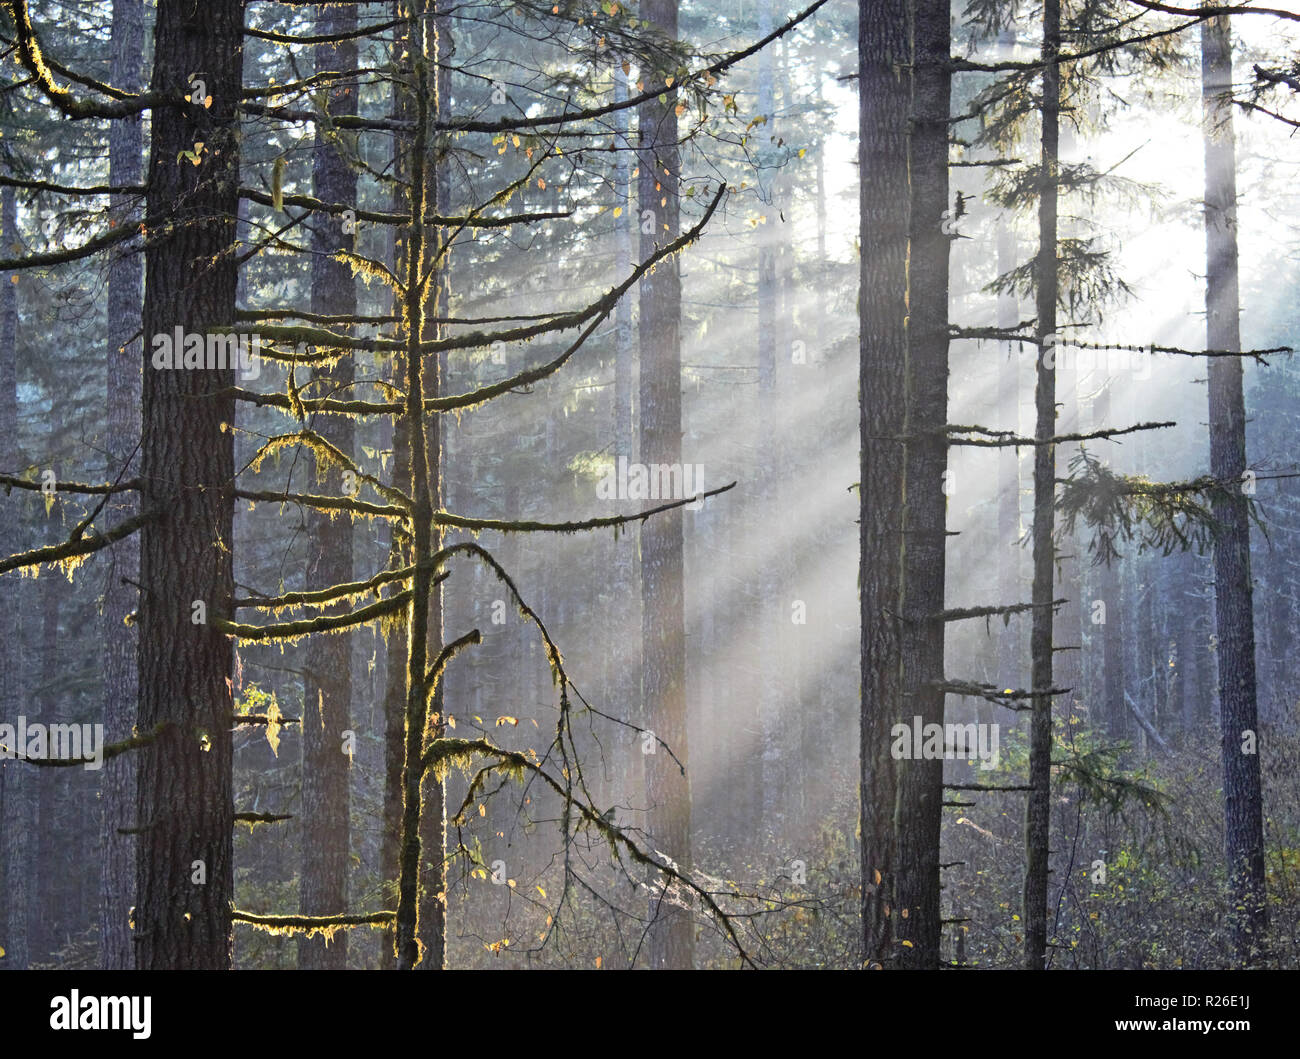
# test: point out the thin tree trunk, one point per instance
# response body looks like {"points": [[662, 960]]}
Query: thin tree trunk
{"points": [[1112, 711], [1233, 612], [626, 682], [125, 166], [19, 782], [396, 644], [45, 913], [663, 637], [1038, 802], [418, 942], [327, 681], [432, 916], [773, 789]]}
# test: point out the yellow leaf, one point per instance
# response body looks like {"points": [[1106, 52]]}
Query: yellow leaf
{"points": [[908, 945], [273, 725], [510, 883], [618, 211], [481, 810], [540, 890]]}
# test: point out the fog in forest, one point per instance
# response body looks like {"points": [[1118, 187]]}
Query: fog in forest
{"points": [[645, 746]]}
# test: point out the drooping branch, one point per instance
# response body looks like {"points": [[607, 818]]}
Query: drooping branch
{"points": [[447, 748], [450, 651]]}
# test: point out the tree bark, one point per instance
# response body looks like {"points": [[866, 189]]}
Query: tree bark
{"points": [[663, 637], [121, 597], [327, 681], [919, 808], [884, 93], [1233, 611], [1038, 802], [184, 869]]}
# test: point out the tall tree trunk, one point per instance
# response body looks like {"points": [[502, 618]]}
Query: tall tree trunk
{"points": [[1038, 802], [19, 781], [45, 913], [919, 808], [1233, 613], [1113, 713], [121, 597], [433, 823], [773, 789], [327, 682], [883, 101], [421, 942], [400, 556], [1010, 653], [626, 681], [663, 637], [184, 868]]}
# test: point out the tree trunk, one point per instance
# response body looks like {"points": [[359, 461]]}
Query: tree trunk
{"points": [[19, 781], [626, 681], [327, 681], [1112, 712], [121, 597], [1233, 613], [773, 789], [400, 556], [919, 808], [882, 302], [184, 869], [663, 637], [1038, 802], [433, 823], [421, 942]]}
